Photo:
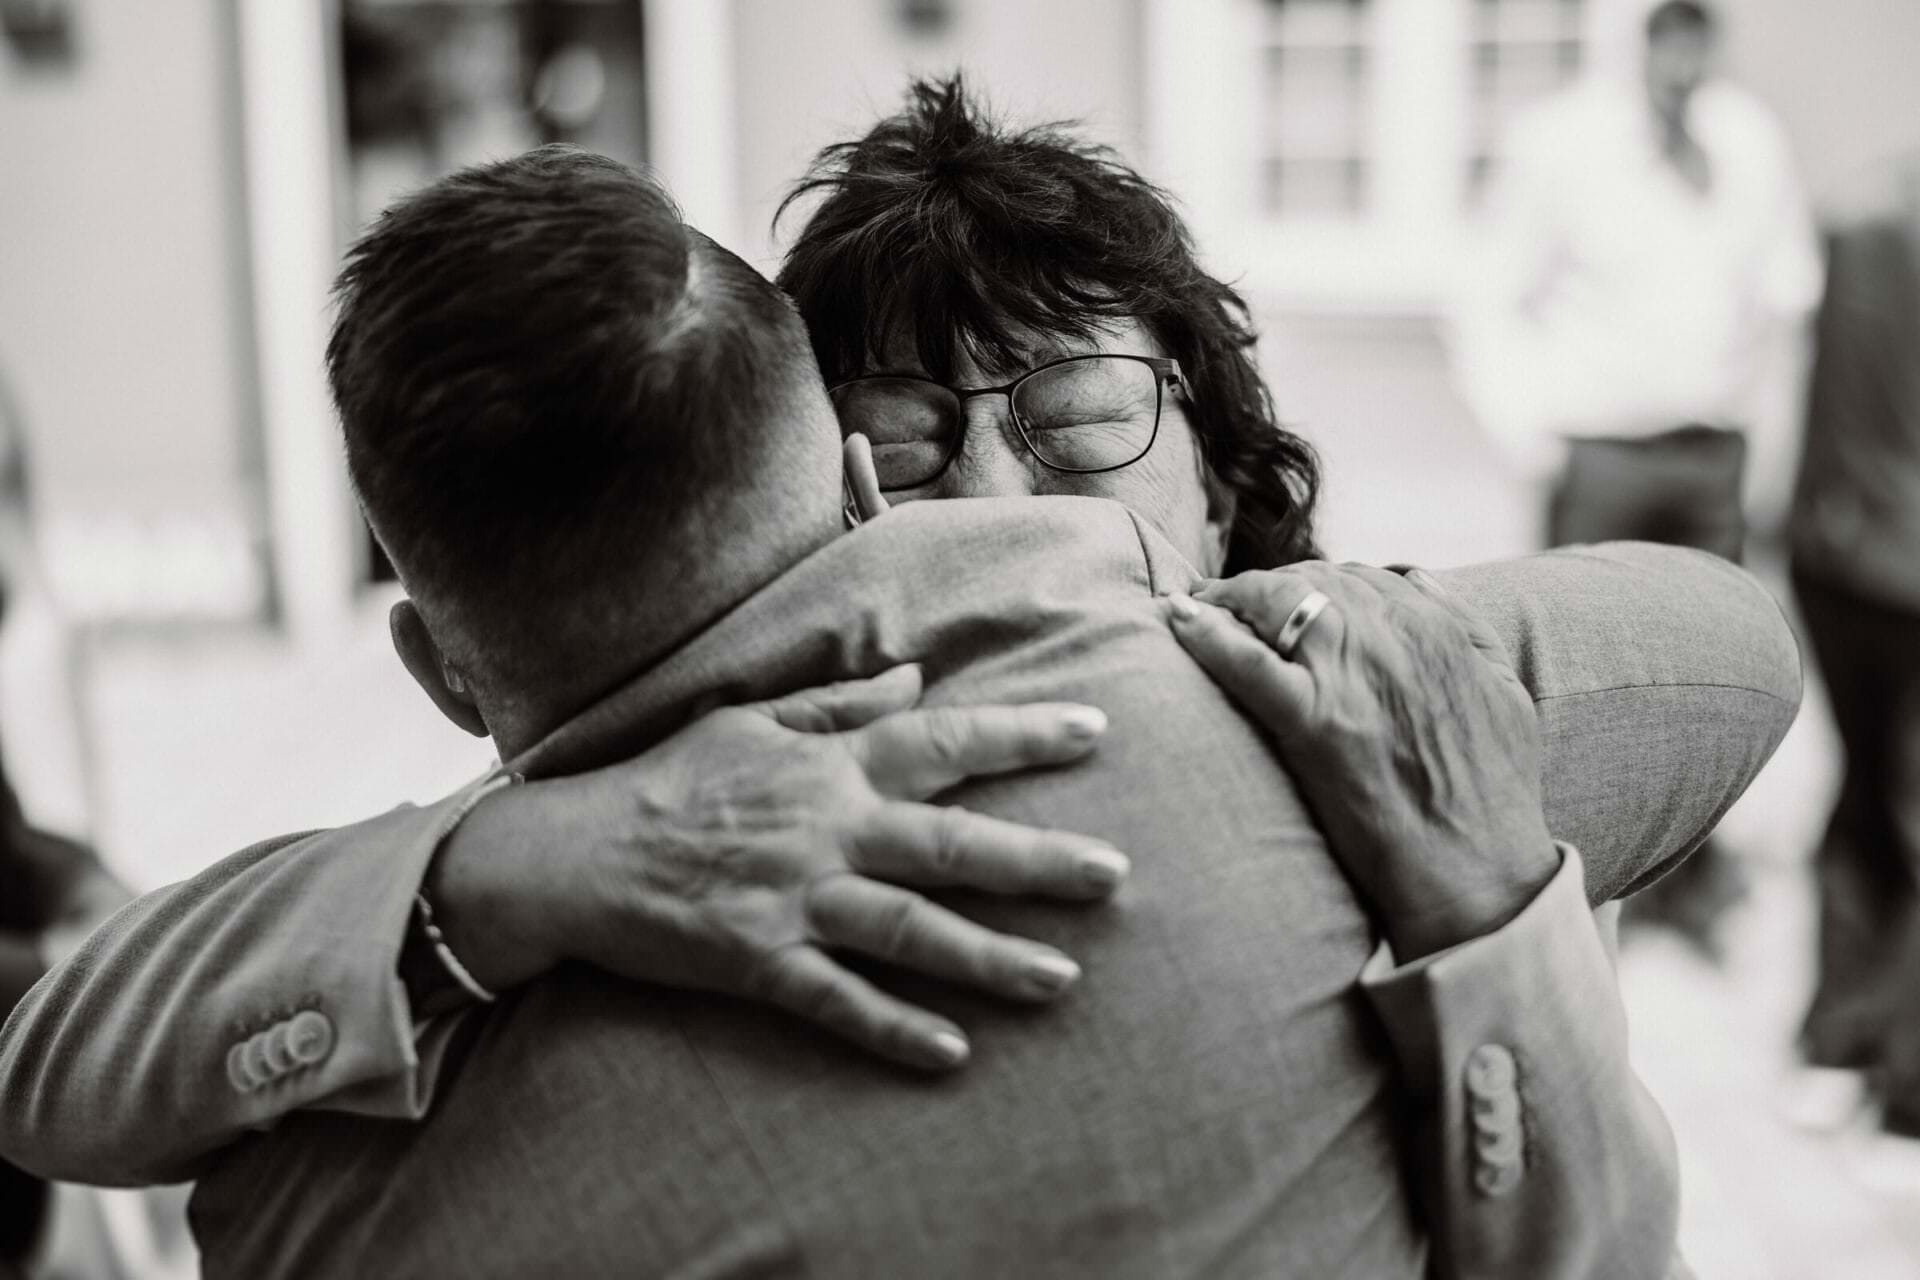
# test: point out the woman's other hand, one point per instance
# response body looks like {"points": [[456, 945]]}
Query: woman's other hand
{"points": [[1399, 716]]}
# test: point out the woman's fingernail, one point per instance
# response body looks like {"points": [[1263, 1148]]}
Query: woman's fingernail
{"points": [[1183, 606], [1051, 973], [1104, 868], [949, 1046], [1084, 722]]}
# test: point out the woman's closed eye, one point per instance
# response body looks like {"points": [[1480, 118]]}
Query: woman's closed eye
{"points": [[1105, 417]]}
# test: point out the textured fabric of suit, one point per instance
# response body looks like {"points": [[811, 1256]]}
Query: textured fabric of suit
{"points": [[1216, 1100]]}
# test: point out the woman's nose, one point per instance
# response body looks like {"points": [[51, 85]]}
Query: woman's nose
{"points": [[993, 462]]}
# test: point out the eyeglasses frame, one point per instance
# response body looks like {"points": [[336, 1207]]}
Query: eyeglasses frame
{"points": [[1167, 372]]}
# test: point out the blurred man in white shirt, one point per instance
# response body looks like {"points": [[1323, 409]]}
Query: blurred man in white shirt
{"points": [[1647, 249], [1634, 312]]}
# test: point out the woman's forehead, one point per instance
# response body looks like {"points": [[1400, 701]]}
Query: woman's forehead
{"points": [[900, 352]]}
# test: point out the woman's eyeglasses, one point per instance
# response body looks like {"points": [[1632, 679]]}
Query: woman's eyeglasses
{"points": [[1083, 414]]}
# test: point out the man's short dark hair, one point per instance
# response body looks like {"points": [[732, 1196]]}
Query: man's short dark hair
{"points": [[1680, 15], [940, 224], [543, 373]]}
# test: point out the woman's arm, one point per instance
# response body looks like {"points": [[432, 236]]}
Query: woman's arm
{"points": [[271, 982], [1651, 685]]}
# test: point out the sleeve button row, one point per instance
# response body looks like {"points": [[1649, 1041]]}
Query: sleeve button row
{"points": [[1493, 1106], [304, 1040]]}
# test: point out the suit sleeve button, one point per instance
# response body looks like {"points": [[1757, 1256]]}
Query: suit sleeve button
{"points": [[1495, 1110], [1490, 1069], [237, 1073], [1496, 1180], [310, 1037], [253, 1055], [279, 1049], [1500, 1145]]}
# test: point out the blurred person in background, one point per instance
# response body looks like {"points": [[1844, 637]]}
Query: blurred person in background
{"points": [[53, 889], [1173, 304], [1633, 301], [1854, 531], [43, 723]]}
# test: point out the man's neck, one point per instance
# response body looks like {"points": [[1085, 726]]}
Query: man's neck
{"points": [[701, 588], [929, 577]]}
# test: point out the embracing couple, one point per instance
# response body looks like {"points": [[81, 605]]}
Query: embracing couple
{"points": [[1263, 944]]}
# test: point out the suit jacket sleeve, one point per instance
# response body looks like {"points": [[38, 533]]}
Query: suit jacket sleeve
{"points": [[1663, 680], [140, 1054], [1539, 1153], [266, 984]]}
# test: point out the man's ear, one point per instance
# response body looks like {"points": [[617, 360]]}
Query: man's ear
{"points": [[443, 681]]}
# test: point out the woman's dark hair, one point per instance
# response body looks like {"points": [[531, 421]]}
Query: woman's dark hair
{"points": [[942, 224]]}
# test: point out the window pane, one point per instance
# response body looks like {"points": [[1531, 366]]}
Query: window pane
{"points": [[1316, 188], [1519, 52], [1318, 82]]}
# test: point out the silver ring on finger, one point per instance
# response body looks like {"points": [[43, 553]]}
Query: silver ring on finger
{"points": [[1311, 606]]}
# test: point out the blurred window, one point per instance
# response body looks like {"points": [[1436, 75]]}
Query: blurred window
{"points": [[1319, 61], [1519, 51], [1336, 148], [432, 85]]}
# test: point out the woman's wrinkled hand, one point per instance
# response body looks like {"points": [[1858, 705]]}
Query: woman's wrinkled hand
{"points": [[747, 852], [1400, 717]]}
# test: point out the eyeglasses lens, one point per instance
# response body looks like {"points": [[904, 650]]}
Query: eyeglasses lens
{"points": [[910, 423], [1090, 414]]}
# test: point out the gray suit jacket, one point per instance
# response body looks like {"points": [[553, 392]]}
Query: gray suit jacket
{"points": [[1218, 1099]]}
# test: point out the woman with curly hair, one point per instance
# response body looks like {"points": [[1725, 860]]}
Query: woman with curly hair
{"points": [[955, 252]]}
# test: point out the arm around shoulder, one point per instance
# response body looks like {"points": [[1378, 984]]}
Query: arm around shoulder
{"points": [[1541, 1154], [263, 985], [1663, 678]]}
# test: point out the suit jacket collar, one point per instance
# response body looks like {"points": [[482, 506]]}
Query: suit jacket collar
{"points": [[931, 582]]}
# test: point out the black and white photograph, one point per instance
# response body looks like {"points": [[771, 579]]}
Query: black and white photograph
{"points": [[895, 639]]}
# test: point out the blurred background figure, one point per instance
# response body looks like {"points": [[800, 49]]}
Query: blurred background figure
{"points": [[53, 888], [44, 734], [1854, 531], [1645, 269]]}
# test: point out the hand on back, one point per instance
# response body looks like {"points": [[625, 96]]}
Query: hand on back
{"points": [[745, 853], [1410, 736]]}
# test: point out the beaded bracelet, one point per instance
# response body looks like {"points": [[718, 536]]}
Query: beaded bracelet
{"points": [[438, 940], [451, 962]]}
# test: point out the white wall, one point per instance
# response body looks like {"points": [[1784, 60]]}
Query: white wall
{"points": [[1844, 75], [123, 323], [1840, 73], [827, 70]]}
